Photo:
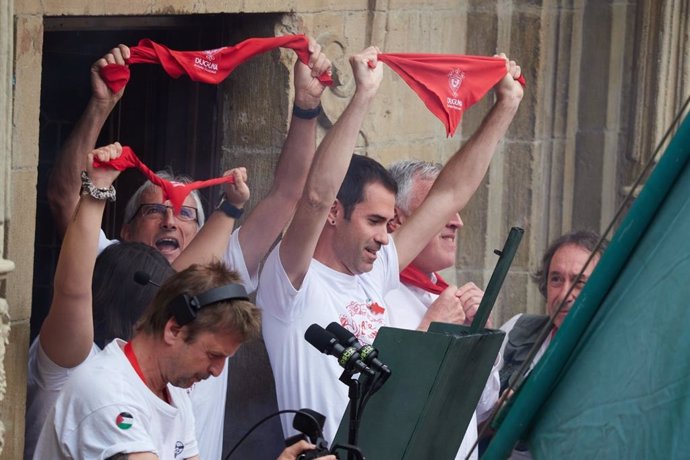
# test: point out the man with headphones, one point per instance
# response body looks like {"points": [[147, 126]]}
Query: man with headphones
{"points": [[131, 398]]}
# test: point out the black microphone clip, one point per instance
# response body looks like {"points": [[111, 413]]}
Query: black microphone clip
{"points": [[367, 353], [144, 278]]}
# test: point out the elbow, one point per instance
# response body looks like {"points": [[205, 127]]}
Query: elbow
{"points": [[316, 201]]}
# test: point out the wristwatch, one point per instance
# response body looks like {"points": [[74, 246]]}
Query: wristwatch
{"points": [[229, 209]]}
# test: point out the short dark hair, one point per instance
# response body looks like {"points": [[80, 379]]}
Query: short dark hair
{"points": [[585, 239], [119, 301], [240, 317], [362, 172]]}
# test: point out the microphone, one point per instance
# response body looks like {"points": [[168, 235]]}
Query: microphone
{"points": [[367, 353], [144, 278], [326, 343]]}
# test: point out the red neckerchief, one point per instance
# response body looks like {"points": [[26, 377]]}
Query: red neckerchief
{"points": [[129, 353], [176, 192], [209, 66], [448, 84], [414, 276]]}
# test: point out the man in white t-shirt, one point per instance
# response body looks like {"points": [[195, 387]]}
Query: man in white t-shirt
{"points": [[337, 261], [129, 399], [423, 296]]}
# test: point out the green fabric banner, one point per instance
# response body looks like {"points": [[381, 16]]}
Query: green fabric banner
{"points": [[615, 382]]}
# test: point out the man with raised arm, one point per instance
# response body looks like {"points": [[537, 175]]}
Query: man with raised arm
{"points": [[337, 261]]}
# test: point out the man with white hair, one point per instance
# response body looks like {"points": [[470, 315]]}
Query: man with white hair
{"points": [[423, 295]]}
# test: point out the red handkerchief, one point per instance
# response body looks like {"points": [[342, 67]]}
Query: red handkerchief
{"points": [[415, 277], [176, 192], [210, 66], [447, 84]]}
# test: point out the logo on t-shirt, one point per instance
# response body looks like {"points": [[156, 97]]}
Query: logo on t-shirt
{"points": [[363, 319], [179, 447], [124, 420]]}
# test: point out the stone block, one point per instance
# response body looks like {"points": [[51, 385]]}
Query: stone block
{"points": [[20, 248], [13, 406], [525, 49], [513, 297], [426, 6], [517, 192], [28, 51]]}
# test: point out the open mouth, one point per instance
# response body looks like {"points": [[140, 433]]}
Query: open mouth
{"points": [[371, 252], [166, 245]]}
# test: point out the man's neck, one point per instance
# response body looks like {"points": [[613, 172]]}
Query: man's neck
{"points": [[145, 349], [325, 254]]}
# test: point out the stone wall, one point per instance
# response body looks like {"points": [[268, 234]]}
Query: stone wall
{"points": [[596, 103], [6, 266]]}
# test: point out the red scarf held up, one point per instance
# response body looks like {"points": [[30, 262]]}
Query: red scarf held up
{"points": [[448, 84], [210, 66], [176, 192], [414, 276]]}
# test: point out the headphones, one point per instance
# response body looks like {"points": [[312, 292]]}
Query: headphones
{"points": [[185, 308]]}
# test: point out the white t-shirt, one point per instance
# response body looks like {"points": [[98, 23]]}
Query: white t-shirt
{"points": [[105, 409], [46, 379], [306, 378], [407, 307]]}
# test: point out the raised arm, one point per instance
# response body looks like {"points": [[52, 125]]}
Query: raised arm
{"points": [[328, 170], [64, 182], [272, 214], [67, 332], [463, 173], [212, 240]]}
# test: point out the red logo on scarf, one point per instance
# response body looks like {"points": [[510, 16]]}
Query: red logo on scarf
{"points": [[455, 78]]}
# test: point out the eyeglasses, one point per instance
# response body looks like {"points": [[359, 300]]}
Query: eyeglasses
{"points": [[160, 211]]}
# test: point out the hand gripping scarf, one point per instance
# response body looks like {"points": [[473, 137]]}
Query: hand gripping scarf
{"points": [[176, 192], [414, 276], [448, 84], [211, 66]]}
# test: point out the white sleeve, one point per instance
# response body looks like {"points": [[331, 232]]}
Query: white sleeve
{"points": [[44, 373], [277, 296], [490, 395], [104, 242], [234, 260]]}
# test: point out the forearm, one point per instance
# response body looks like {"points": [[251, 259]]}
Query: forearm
{"points": [[64, 182], [209, 244], [330, 165], [272, 214], [67, 331], [465, 171]]}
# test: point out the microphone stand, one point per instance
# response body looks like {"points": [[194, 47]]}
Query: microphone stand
{"points": [[354, 394]]}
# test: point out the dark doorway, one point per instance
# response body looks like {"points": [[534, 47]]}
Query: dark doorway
{"points": [[169, 123]]}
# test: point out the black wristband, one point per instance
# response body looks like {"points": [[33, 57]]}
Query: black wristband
{"points": [[230, 210], [306, 114]]}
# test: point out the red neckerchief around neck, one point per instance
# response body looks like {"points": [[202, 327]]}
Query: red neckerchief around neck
{"points": [[129, 353], [414, 276]]}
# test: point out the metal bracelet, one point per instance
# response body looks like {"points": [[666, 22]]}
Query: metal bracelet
{"points": [[87, 188]]}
